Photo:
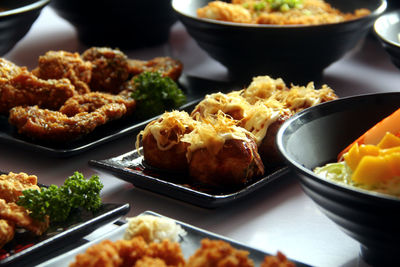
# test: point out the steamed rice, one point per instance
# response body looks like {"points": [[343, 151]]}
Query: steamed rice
{"points": [[153, 229]]}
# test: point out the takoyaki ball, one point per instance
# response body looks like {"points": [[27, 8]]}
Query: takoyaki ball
{"points": [[162, 144], [232, 104], [236, 163], [264, 121], [221, 153], [172, 159], [268, 150]]}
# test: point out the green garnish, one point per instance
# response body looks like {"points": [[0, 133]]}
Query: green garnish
{"points": [[154, 94], [57, 202], [259, 6], [284, 5]]}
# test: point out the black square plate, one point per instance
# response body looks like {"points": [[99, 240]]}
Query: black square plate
{"points": [[130, 168]]}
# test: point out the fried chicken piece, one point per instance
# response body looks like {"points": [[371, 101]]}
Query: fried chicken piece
{"points": [[279, 260], [167, 66], [12, 185], [129, 253], [109, 68], [150, 262], [102, 254], [62, 64], [219, 10], [169, 252], [44, 124], [19, 87], [7, 231], [218, 253], [20, 216], [91, 101]]}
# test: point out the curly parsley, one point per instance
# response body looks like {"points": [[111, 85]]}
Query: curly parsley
{"points": [[154, 94], [57, 202]]}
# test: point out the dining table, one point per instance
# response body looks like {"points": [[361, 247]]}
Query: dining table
{"points": [[276, 217]]}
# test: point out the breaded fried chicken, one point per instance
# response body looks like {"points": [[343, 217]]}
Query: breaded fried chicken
{"points": [[279, 260], [218, 253], [7, 230], [19, 87], [62, 64], [167, 66], [109, 68], [12, 185], [44, 124], [94, 100], [20, 216], [134, 252]]}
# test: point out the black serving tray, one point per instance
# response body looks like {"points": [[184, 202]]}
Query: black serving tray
{"points": [[130, 168], [25, 248]]}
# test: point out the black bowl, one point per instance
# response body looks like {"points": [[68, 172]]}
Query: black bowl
{"points": [[16, 20], [387, 29], [313, 138], [118, 23], [294, 52]]}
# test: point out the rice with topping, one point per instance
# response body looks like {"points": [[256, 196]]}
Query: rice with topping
{"points": [[153, 229]]}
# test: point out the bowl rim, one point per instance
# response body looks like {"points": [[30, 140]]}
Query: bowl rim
{"points": [[296, 167], [386, 17], [375, 13], [35, 5]]}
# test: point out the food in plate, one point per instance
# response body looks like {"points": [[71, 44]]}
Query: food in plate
{"points": [[219, 253], [277, 12], [63, 64], [19, 87], [153, 229], [139, 250], [12, 185], [134, 252], [25, 205], [371, 162], [216, 152], [228, 138], [69, 95]]}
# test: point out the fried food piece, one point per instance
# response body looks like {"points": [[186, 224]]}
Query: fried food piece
{"points": [[18, 87], [12, 185], [312, 12], [20, 216], [62, 64], [218, 253], [279, 260], [129, 253], [44, 124], [236, 163], [102, 254], [222, 154], [109, 68], [272, 103], [150, 262], [91, 101], [232, 104], [167, 66], [161, 140], [219, 10], [7, 231]]}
